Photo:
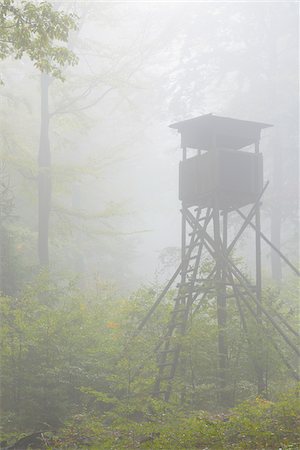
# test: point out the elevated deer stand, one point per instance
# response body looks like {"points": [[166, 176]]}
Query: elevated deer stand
{"points": [[219, 178]]}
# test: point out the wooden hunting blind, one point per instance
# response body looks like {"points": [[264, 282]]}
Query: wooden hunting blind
{"points": [[235, 178], [223, 177], [209, 131], [220, 170]]}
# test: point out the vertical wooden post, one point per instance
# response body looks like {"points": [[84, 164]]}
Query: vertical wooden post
{"points": [[183, 230], [260, 378], [220, 286], [258, 243], [184, 263]]}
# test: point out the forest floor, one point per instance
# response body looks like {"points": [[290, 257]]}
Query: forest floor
{"points": [[258, 424]]}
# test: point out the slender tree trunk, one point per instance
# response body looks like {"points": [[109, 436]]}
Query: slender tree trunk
{"points": [[277, 169], [78, 258], [8, 280], [44, 176]]}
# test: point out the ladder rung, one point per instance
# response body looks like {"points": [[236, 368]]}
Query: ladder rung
{"points": [[201, 218], [197, 280], [181, 296], [187, 285], [194, 244]]}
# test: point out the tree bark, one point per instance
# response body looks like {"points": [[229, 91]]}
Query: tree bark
{"points": [[44, 176]]}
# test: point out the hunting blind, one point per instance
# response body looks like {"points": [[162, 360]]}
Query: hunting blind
{"points": [[223, 177], [220, 170]]}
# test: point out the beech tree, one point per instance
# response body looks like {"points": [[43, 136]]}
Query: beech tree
{"points": [[38, 31]]}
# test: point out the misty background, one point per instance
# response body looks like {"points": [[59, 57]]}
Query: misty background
{"points": [[115, 214]]}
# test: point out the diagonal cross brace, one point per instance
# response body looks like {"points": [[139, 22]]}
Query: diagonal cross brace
{"points": [[164, 292], [284, 258], [243, 281], [247, 219]]}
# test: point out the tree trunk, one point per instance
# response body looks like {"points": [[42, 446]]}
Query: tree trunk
{"points": [[44, 176], [8, 278], [277, 169]]}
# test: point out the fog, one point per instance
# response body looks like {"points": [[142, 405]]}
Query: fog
{"points": [[149, 225], [115, 213]]}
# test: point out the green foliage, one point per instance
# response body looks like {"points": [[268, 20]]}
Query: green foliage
{"points": [[62, 350], [67, 353], [266, 424], [35, 29], [256, 424]]}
